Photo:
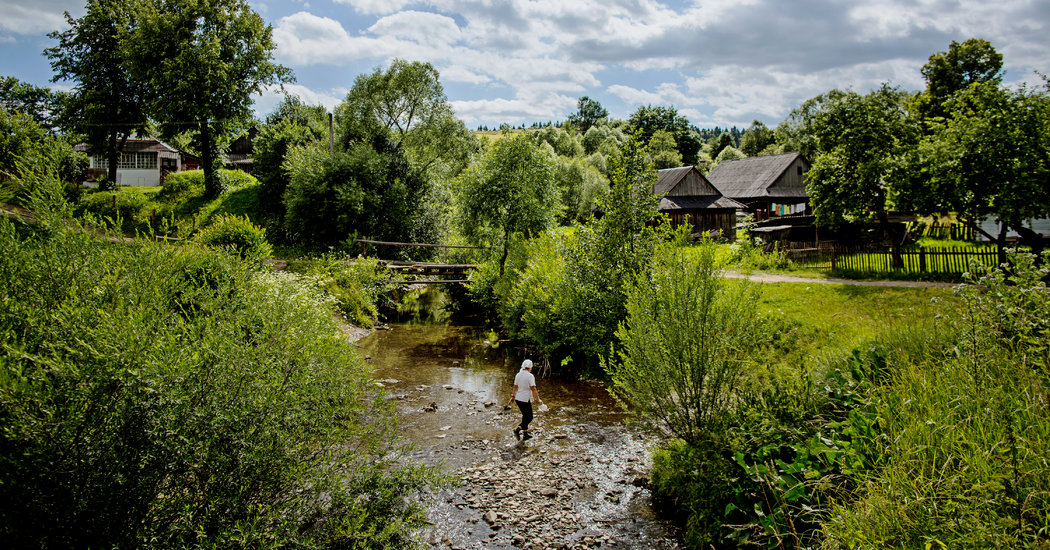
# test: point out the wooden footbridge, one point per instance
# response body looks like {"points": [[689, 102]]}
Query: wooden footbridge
{"points": [[445, 273]]}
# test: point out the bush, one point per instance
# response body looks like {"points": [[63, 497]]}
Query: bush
{"points": [[239, 235], [356, 284], [182, 184], [165, 397], [124, 210]]}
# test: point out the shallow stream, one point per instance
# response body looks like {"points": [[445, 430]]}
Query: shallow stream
{"points": [[580, 483]]}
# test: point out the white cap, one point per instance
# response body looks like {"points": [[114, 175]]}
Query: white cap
{"points": [[526, 364]]}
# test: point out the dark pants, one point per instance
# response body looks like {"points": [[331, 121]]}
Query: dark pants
{"points": [[526, 413]]}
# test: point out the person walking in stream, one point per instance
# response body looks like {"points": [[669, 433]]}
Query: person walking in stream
{"points": [[523, 394]]}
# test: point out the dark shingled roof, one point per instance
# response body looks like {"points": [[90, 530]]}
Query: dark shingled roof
{"points": [[751, 177], [697, 203], [137, 146], [667, 178]]}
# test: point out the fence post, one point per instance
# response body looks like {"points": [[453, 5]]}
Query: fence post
{"points": [[833, 249], [922, 260]]}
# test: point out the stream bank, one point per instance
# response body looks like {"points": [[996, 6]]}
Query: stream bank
{"points": [[580, 483]]}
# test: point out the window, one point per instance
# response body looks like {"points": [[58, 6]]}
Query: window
{"points": [[128, 161]]}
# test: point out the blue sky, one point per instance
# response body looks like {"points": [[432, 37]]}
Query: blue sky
{"points": [[518, 61]]}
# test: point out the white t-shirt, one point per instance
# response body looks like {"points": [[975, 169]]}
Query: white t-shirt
{"points": [[525, 381]]}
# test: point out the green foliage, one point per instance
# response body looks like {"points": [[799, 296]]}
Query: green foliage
{"points": [[604, 139], [292, 124], [648, 119], [990, 157], [123, 210], [356, 284], [108, 102], [408, 104], [182, 184], [862, 139], [685, 343], [972, 61], [720, 143], [202, 62], [28, 152], [563, 143], [750, 253], [963, 434], [172, 398], [728, 153], [663, 152], [238, 235], [508, 191], [564, 290], [756, 139], [588, 114], [47, 107], [366, 190], [580, 184]]}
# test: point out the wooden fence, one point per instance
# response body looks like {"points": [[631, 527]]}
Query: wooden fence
{"points": [[868, 259], [952, 230]]}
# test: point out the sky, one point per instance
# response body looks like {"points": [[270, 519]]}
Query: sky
{"points": [[719, 63]]}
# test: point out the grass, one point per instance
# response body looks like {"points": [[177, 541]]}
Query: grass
{"points": [[817, 320]]}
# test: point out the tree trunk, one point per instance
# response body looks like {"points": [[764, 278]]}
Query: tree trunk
{"points": [[112, 158], [895, 239], [211, 182], [506, 250]]}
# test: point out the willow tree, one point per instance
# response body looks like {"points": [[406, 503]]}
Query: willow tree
{"points": [[508, 190], [203, 60]]}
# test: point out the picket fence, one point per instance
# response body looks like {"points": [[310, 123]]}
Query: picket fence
{"points": [[869, 259]]}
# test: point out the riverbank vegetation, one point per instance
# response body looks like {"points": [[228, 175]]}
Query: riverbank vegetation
{"points": [[182, 397]]}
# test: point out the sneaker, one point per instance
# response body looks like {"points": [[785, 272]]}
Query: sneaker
{"points": [[517, 432], [526, 436]]}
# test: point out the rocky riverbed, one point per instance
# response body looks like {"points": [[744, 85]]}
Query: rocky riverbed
{"points": [[581, 482]]}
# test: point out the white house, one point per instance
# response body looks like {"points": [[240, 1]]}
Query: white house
{"points": [[142, 163]]}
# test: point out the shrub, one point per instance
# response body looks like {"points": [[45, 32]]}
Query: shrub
{"points": [[182, 184], [124, 210], [356, 285], [239, 235], [167, 397], [236, 179]]}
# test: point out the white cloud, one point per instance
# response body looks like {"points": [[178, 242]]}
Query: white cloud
{"points": [[376, 6], [273, 95], [304, 38], [37, 17]]}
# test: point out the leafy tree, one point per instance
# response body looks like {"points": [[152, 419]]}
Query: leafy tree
{"points": [[756, 138], [203, 60], [26, 150], [727, 154], [798, 132], [109, 99], [974, 60], [990, 156], [649, 119], [508, 190], [563, 143], [408, 102], [46, 106], [368, 189], [588, 113], [720, 142], [662, 151], [603, 138], [580, 185], [862, 139], [291, 124]]}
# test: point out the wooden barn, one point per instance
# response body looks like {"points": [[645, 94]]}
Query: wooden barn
{"points": [[686, 196], [768, 186]]}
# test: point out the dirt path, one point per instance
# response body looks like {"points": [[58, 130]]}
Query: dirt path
{"points": [[776, 278]]}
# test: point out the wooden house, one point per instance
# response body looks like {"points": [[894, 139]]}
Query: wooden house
{"points": [[687, 197], [768, 186], [143, 162]]}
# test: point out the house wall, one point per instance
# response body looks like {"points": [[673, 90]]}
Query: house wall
{"points": [[705, 221], [793, 178], [692, 185]]}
